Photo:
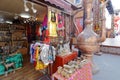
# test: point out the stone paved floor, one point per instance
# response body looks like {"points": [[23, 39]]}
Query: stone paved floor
{"points": [[109, 66]]}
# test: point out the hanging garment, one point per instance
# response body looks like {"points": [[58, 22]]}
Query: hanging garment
{"points": [[37, 30], [53, 16], [40, 31], [31, 53], [61, 33], [60, 21], [44, 27], [46, 39], [39, 64], [52, 29], [45, 21], [34, 54], [60, 26], [51, 54], [47, 54], [52, 24], [37, 44], [44, 54]]}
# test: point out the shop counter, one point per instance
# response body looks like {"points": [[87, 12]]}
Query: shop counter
{"points": [[85, 73], [61, 60]]}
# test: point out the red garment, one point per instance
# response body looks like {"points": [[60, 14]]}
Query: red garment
{"points": [[34, 63], [37, 30], [46, 39], [60, 21]]}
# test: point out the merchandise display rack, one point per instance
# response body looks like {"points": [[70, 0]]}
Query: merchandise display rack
{"points": [[13, 35]]}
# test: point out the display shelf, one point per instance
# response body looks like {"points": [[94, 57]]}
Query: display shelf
{"points": [[17, 30], [18, 35], [3, 41], [4, 33], [4, 30], [19, 40], [13, 34]]}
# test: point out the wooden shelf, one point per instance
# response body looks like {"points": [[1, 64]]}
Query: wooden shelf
{"points": [[15, 33], [18, 30], [19, 40], [4, 41], [23, 50], [4, 30]]}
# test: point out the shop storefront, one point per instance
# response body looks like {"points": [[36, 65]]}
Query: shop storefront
{"points": [[56, 39]]}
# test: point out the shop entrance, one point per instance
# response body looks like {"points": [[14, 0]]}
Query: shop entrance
{"points": [[20, 21]]}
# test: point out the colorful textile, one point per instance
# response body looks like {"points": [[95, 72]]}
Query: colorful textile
{"points": [[17, 59], [2, 69], [84, 73], [39, 64], [31, 53], [60, 22], [44, 24], [37, 31], [52, 25], [46, 39], [47, 54], [52, 29]]}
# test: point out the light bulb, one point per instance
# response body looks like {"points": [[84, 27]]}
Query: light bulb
{"points": [[25, 6], [33, 9]]}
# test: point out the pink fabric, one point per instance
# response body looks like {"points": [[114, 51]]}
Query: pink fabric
{"points": [[45, 21], [84, 73], [60, 21]]}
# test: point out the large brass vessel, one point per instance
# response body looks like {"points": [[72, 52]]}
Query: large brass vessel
{"points": [[88, 41]]}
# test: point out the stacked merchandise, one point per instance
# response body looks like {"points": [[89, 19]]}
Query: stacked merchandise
{"points": [[63, 49], [69, 69]]}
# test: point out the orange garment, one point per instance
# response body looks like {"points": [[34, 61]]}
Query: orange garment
{"points": [[46, 39]]}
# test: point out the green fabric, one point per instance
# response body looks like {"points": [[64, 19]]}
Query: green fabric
{"points": [[17, 59], [2, 69]]}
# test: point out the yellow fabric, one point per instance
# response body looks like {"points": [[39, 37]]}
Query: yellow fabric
{"points": [[52, 29], [39, 64], [52, 26]]}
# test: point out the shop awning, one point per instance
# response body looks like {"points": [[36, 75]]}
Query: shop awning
{"points": [[61, 3]]}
